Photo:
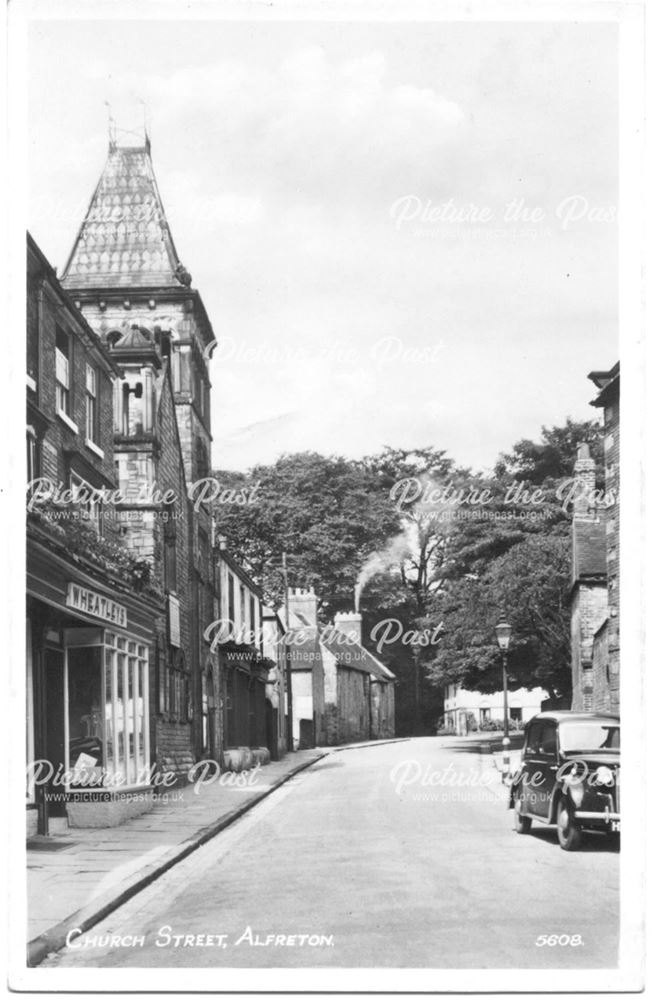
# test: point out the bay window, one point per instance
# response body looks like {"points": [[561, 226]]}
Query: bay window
{"points": [[106, 710]]}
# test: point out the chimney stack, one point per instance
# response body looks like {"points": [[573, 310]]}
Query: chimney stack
{"points": [[584, 472], [303, 602], [350, 623]]}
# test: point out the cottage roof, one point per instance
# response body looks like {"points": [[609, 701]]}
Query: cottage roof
{"points": [[124, 240], [347, 652], [354, 655]]}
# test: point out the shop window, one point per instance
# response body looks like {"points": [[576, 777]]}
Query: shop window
{"points": [[106, 710], [62, 375], [125, 709], [85, 723], [92, 415]]}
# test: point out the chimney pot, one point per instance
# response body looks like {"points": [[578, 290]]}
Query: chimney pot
{"points": [[350, 623]]}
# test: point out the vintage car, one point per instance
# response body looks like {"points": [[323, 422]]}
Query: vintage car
{"points": [[569, 775]]}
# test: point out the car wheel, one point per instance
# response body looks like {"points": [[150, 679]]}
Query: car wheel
{"points": [[569, 833], [522, 824]]}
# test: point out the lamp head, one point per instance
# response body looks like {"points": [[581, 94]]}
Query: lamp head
{"points": [[503, 633]]}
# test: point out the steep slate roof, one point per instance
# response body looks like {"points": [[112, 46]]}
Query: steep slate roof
{"points": [[124, 240], [354, 655]]}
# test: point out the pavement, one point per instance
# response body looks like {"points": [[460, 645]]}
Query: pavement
{"points": [[399, 855], [77, 876]]}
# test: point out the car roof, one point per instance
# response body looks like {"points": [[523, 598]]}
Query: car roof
{"points": [[566, 716]]}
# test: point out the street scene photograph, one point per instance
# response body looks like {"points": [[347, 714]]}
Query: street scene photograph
{"points": [[326, 569]]}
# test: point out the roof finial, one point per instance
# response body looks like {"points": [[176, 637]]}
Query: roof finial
{"points": [[148, 144], [111, 128]]}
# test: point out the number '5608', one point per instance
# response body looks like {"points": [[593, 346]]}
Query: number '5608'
{"points": [[572, 940]]}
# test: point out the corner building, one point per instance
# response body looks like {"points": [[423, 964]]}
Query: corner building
{"points": [[125, 276], [92, 604]]}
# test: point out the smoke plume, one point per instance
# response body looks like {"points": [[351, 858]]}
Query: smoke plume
{"points": [[378, 562]]}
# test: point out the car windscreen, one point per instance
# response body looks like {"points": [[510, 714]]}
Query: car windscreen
{"points": [[589, 737]]}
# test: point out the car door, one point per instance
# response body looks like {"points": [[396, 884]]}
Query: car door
{"points": [[548, 762], [531, 766]]}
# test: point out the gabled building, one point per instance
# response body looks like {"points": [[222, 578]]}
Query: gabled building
{"points": [[125, 276], [341, 692]]}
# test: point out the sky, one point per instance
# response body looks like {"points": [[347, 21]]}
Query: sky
{"points": [[339, 193]]}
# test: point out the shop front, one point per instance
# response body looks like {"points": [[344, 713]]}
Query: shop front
{"points": [[89, 647], [245, 675]]}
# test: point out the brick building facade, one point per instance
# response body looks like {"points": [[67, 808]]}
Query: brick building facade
{"points": [[608, 400], [126, 278], [595, 610], [91, 604]]}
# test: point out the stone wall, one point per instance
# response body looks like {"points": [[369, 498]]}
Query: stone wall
{"points": [[602, 700], [612, 477], [588, 611]]}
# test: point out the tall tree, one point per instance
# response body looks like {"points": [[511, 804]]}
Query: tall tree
{"points": [[553, 457], [530, 585], [325, 512]]}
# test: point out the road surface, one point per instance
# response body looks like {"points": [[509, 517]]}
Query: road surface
{"points": [[401, 855]]}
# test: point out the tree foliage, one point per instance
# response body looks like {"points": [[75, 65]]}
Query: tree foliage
{"points": [[471, 547], [528, 584]]}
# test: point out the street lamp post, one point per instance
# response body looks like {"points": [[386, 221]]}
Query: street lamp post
{"points": [[288, 662], [503, 633]]}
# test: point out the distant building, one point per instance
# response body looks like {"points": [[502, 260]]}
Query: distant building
{"points": [[595, 602], [465, 711], [341, 692], [588, 589], [275, 688], [608, 644], [243, 666]]}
